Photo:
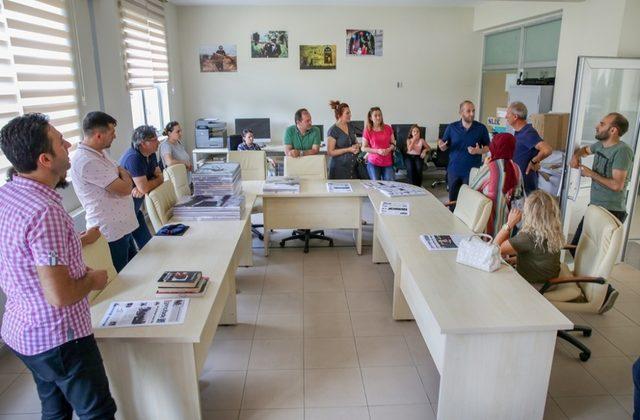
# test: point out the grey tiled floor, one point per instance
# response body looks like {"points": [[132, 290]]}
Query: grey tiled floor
{"points": [[316, 341]]}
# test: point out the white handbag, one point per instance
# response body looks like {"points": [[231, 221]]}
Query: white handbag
{"points": [[477, 253]]}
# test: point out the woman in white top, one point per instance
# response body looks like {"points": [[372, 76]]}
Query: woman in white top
{"points": [[172, 152], [417, 149]]}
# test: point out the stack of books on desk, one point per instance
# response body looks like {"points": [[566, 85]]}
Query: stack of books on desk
{"points": [[202, 207], [182, 284], [215, 179], [394, 189], [282, 185]]}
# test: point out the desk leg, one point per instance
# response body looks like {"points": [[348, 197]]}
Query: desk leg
{"points": [[152, 380], [230, 314], [266, 223], [246, 251], [401, 310], [377, 251], [496, 376]]}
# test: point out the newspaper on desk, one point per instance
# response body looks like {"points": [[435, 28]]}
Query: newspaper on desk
{"points": [[339, 187], [393, 188], [389, 208], [442, 242], [144, 313]]}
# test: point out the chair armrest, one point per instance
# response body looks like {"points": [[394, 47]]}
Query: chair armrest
{"points": [[561, 280], [569, 246]]}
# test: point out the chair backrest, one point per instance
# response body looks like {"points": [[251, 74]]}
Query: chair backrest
{"points": [[177, 174], [234, 141], [473, 208], [160, 204], [98, 256], [252, 164], [597, 249], [306, 167], [472, 173]]}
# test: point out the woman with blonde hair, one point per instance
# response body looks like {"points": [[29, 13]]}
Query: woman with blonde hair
{"points": [[379, 143], [342, 145], [538, 243]]}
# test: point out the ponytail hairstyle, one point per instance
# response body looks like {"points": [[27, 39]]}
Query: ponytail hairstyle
{"points": [[169, 128], [338, 108]]}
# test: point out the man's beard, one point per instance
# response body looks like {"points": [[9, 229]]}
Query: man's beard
{"points": [[602, 137]]}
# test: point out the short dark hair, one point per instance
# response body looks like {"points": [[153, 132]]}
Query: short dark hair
{"points": [[24, 139], [97, 120], [620, 122], [142, 133], [298, 115], [246, 131]]}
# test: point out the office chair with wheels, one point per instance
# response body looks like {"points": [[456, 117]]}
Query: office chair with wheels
{"points": [[252, 168], [440, 158], [585, 289], [307, 167]]}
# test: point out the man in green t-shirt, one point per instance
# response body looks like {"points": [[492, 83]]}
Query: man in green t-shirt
{"points": [[611, 168], [302, 138]]}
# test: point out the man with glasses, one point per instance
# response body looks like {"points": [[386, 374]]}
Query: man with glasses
{"points": [[141, 162]]}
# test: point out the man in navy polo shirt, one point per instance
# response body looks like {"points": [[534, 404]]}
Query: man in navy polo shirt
{"points": [[530, 148], [467, 140], [141, 162]]}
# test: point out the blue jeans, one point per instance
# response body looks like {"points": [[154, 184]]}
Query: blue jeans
{"points": [[141, 235], [69, 378], [377, 173], [636, 390], [122, 251]]}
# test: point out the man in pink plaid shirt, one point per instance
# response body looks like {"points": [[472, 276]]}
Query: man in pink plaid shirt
{"points": [[47, 322]]}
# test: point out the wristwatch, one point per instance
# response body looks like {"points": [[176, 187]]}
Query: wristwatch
{"points": [[506, 227], [534, 161]]}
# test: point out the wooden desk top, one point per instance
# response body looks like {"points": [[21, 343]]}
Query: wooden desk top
{"points": [[463, 299], [215, 242], [308, 188]]}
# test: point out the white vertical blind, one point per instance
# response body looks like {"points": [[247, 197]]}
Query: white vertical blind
{"points": [[145, 45], [9, 99], [39, 42]]}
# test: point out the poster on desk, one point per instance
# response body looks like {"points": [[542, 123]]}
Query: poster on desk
{"points": [[220, 58], [270, 44], [361, 42], [145, 313]]}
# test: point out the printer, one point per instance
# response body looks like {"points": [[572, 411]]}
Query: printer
{"points": [[211, 133]]}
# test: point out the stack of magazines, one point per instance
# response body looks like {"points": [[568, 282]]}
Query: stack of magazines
{"points": [[282, 185], [394, 189], [182, 284], [215, 179], [202, 207]]}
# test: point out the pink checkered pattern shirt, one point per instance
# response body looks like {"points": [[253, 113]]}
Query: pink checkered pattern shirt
{"points": [[35, 230]]}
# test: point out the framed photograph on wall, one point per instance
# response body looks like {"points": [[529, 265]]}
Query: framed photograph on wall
{"points": [[317, 57], [219, 58], [364, 42], [270, 44]]}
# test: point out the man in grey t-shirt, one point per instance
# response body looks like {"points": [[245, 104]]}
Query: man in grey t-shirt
{"points": [[611, 169]]}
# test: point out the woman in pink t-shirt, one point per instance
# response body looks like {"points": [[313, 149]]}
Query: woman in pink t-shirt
{"points": [[379, 143]]}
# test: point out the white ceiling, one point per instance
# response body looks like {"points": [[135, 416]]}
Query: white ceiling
{"points": [[338, 2]]}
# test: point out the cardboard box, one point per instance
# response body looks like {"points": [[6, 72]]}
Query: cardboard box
{"points": [[553, 128]]}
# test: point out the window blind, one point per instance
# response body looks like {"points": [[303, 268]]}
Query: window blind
{"points": [[145, 46], [9, 105], [39, 43]]}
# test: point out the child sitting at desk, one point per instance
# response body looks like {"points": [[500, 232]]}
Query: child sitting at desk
{"points": [[247, 141]]}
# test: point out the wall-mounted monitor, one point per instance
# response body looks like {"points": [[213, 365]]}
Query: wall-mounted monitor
{"points": [[261, 128]]}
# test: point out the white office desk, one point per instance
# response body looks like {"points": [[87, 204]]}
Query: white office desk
{"points": [[270, 149], [313, 208], [153, 371], [491, 335]]}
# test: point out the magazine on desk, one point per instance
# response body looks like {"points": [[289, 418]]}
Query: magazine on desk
{"points": [[145, 313], [389, 208], [339, 187], [202, 207], [282, 184], [393, 188], [442, 242]]}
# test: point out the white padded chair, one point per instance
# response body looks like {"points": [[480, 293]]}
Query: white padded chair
{"points": [[585, 288], [177, 174], [160, 204], [473, 208], [98, 256], [253, 167], [306, 167]]}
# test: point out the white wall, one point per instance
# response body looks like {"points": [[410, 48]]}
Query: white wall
{"points": [[593, 27], [432, 51]]}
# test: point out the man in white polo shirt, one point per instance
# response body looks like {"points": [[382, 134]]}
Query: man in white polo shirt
{"points": [[104, 188]]}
